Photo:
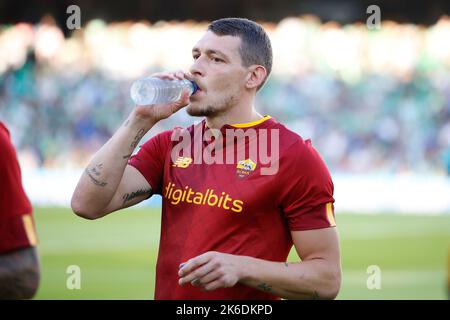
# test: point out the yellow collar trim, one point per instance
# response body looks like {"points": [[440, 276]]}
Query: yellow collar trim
{"points": [[251, 124]]}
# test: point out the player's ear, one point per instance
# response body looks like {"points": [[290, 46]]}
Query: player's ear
{"points": [[255, 76]]}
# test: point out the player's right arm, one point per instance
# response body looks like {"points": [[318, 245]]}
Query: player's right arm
{"points": [[108, 183]]}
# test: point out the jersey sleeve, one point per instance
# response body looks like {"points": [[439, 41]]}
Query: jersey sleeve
{"points": [[16, 221], [150, 159], [307, 201]]}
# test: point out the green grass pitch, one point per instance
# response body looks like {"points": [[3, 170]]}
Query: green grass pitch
{"points": [[117, 254]]}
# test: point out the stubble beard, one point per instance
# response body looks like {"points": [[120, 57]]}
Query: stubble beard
{"points": [[212, 110]]}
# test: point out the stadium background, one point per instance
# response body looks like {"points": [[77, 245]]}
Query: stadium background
{"points": [[376, 104]]}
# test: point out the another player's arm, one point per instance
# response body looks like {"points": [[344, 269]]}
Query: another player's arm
{"points": [[108, 183], [317, 276], [19, 274]]}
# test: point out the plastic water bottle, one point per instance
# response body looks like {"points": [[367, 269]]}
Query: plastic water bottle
{"points": [[154, 90]]}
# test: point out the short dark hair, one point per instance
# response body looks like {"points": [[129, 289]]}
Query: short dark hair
{"points": [[255, 43]]}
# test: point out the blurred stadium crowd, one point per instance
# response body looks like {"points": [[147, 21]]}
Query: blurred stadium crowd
{"points": [[371, 100]]}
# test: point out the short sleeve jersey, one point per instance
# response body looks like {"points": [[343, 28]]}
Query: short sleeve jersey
{"points": [[245, 204], [16, 221]]}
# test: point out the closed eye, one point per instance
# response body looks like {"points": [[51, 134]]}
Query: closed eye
{"points": [[215, 59]]}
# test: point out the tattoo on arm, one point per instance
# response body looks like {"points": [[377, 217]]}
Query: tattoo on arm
{"points": [[264, 287], [267, 288], [137, 138], [95, 171], [130, 196], [126, 123]]}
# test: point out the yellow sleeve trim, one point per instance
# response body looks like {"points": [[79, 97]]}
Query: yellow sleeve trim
{"points": [[29, 229], [330, 216]]}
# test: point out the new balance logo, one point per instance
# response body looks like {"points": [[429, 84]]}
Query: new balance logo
{"points": [[182, 162]]}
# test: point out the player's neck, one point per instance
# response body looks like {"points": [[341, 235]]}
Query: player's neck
{"points": [[219, 121]]}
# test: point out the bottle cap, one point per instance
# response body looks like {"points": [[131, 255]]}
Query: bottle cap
{"points": [[195, 86]]}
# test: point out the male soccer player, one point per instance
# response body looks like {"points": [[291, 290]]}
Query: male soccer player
{"points": [[19, 266], [227, 228]]}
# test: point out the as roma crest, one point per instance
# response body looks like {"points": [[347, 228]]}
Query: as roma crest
{"points": [[245, 167]]}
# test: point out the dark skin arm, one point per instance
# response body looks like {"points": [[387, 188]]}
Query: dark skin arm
{"points": [[19, 274]]}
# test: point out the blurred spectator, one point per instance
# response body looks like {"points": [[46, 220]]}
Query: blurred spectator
{"points": [[375, 101]]}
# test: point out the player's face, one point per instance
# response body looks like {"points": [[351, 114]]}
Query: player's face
{"points": [[218, 71]]}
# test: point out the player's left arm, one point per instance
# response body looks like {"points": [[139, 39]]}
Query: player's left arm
{"points": [[317, 276]]}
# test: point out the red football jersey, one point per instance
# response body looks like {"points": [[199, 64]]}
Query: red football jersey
{"points": [[16, 222], [232, 207]]}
